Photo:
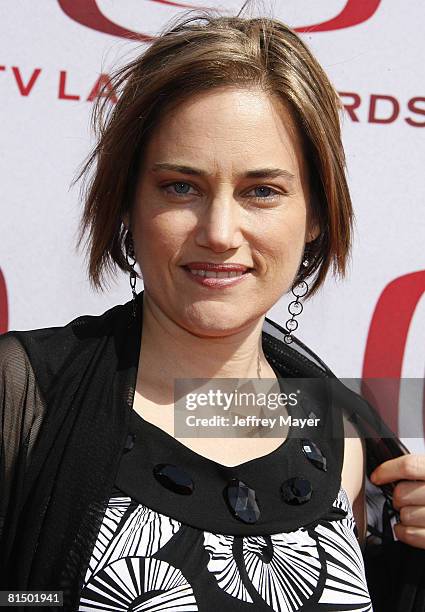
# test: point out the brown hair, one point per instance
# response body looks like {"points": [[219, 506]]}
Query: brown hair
{"points": [[194, 53]]}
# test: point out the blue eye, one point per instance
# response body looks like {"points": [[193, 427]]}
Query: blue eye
{"points": [[180, 189], [262, 187], [178, 192]]}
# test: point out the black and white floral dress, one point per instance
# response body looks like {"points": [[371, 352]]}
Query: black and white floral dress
{"points": [[181, 532]]}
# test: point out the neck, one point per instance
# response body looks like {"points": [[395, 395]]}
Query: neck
{"points": [[169, 351]]}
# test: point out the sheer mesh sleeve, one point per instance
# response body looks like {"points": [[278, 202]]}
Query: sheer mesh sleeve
{"points": [[21, 413]]}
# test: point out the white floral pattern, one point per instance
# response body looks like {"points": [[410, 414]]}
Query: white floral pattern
{"points": [[121, 568], [142, 534], [120, 584], [287, 579], [223, 565], [281, 572]]}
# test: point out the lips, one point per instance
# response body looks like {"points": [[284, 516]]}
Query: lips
{"points": [[213, 267], [216, 280]]}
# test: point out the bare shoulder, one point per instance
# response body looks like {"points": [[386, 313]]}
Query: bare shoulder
{"points": [[354, 461], [353, 476]]}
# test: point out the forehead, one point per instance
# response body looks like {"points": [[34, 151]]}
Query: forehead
{"points": [[228, 128]]}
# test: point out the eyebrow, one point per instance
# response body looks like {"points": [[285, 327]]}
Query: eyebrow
{"points": [[257, 173]]}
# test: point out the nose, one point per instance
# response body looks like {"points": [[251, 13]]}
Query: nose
{"points": [[219, 225]]}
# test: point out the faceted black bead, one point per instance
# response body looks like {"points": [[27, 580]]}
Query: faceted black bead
{"points": [[242, 501], [314, 454], [129, 443], [173, 478], [296, 491]]}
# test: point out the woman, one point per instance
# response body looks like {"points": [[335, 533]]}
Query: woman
{"points": [[220, 171]]}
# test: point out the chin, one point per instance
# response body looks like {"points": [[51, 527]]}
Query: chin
{"points": [[215, 319]]}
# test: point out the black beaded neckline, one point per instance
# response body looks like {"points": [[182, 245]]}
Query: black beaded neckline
{"points": [[162, 437], [283, 490]]}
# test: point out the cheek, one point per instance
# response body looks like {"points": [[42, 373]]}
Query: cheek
{"points": [[283, 240], [161, 236], [282, 246]]}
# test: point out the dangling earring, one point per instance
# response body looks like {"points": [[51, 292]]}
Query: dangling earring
{"points": [[129, 252], [295, 307]]}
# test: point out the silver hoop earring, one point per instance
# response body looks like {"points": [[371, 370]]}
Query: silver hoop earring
{"points": [[129, 253], [295, 307]]}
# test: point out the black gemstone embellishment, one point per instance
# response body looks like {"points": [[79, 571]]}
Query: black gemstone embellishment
{"points": [[242, 501], [173, 478], [314, 454], [129, 443], [296, 491]]}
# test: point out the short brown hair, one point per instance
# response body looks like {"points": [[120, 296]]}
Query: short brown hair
{"points": [[197, 51]]}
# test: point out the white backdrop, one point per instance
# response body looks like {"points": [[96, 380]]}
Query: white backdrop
{"points": [[51, 55]]}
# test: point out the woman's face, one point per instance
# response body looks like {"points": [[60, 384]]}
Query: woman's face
{"points": [[198, 200]]}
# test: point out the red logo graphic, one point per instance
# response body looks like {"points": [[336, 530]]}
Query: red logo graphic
{"points": [[87, 13], [386, 342], [4, 317]]}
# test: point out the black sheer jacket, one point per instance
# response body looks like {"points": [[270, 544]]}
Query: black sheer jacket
{"points": [[66, 395]]}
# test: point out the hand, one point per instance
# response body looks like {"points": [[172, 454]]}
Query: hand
{"points": [[408, 495]]}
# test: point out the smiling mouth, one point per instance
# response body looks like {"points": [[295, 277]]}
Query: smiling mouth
{"points": [[218, 274]]}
